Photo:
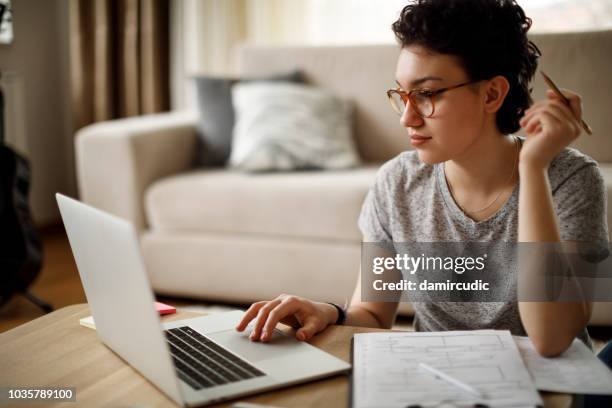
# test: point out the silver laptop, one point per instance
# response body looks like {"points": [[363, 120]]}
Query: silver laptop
{"points": [[194, 361]]}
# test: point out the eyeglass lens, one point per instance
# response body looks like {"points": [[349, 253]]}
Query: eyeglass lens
{"points": [[421, 103]]}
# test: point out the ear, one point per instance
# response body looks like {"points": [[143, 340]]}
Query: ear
{"points": [[495, 92]]}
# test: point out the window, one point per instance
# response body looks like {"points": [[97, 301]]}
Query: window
{"points": [[205, 32], [325, 22]]}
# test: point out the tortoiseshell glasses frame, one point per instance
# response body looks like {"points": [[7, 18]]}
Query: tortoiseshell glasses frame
{"points": [[421, 100]]}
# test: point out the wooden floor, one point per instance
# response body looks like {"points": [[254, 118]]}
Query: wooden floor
{"points": [[60, 285]]}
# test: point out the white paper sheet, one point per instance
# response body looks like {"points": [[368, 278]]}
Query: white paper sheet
{"points": [[576, 371], [386, 373], [88, 322]]}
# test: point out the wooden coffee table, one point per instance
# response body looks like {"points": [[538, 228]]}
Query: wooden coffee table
{"points": [[55, 350]]}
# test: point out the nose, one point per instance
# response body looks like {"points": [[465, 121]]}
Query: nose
{"points": [[410, 118]]}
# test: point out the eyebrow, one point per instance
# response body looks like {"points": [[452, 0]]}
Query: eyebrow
{"points": [[419, 81]]}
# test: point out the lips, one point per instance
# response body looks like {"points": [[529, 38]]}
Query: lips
{"points": [[417, 140]]}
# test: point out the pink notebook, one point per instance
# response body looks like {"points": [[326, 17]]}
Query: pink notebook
{"points": [[164, 309]]}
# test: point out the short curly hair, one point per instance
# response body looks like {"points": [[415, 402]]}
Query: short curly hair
{"points": [[488, 36]]}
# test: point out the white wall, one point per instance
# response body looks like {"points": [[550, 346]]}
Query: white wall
{"points": [[39, 55]]}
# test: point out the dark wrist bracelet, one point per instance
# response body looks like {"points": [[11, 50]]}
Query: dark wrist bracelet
{"points": [[341, 314]]}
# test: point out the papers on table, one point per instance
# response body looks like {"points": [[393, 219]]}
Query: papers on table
{"points": [[162, 309], [386, 369], [88, 322], [575, 371]]}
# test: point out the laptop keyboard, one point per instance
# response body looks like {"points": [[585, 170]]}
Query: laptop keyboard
{"points": [[202, 363]]}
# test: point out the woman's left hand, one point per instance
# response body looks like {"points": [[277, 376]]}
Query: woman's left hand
{"points": [[550, 126]]}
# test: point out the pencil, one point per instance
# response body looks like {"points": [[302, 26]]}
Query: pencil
{"points": [[452, 380], [557, 91]]}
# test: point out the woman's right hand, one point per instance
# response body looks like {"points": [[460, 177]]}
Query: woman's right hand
{"points": [[305, 315]]}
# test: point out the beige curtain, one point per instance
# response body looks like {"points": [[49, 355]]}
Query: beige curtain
{"points": [[119, 57]]}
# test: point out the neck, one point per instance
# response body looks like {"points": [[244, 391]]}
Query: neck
{"points": [[484, 166]]}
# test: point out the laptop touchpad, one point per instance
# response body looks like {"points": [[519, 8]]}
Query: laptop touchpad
{"points": [[279, 346]]}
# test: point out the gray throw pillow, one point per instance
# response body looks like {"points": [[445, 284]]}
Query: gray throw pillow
{"points": [[216, 121]]}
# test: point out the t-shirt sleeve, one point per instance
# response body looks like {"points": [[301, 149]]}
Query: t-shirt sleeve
{"points": [[580, 202], [374, 220]]}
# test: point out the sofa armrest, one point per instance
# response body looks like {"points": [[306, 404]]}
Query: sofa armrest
{"points": [[116, 160]]}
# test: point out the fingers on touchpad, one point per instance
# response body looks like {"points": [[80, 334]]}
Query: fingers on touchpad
{"points": [[254, 351]]}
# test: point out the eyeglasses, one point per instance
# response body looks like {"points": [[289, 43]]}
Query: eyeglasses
{"points": [[421, 100]]}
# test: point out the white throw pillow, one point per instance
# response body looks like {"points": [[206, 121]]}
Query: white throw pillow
{"points": [[283, 126]]}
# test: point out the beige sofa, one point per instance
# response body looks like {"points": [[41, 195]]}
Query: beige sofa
{"points": [[228, 236]]}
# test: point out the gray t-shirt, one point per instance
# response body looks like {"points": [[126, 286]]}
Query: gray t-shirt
{"points": [[410, 202]]}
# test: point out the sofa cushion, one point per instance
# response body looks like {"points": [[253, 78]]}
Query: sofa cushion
{"points": [[217, 114], [283, 126], [313, 204]]}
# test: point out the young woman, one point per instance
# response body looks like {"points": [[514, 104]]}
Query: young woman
{"points": [[462, 89]]}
